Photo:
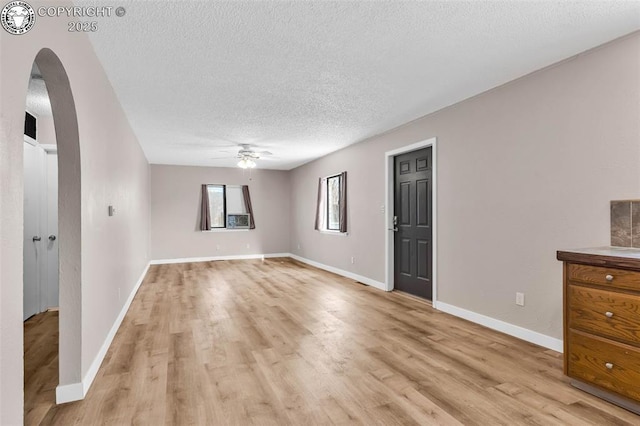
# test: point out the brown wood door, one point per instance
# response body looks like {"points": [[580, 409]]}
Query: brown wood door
{"points": [[413, 217]]}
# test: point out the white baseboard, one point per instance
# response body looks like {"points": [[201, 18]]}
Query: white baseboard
{"points": [[504, 327], [69, 393], [77, 391], [360, 278], [209, 259]]}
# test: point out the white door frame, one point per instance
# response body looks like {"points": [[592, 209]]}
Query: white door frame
{"points": [[389, 205]]}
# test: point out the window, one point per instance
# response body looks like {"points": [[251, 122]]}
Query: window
{"points": [[217, 205], [333, 203], [226, 206], [331, 209]]}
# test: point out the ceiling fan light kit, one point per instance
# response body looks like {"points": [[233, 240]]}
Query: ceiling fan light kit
{"points": [[247, 157], [246, 163]]}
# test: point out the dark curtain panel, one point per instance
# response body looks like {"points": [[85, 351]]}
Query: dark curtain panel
{"points": [[343, 202], [247, 205], [318, 206], [205, 214]]}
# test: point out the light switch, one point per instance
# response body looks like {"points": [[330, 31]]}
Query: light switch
{"points": [[112, 211]]}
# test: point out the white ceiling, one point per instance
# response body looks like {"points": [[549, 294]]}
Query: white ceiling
{"points": [[305, 78], [37, 102]]}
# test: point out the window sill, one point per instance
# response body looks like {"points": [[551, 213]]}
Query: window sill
{"points": [[227, 230], [337, 233]]}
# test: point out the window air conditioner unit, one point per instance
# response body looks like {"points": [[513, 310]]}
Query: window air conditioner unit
{"points": [[238, 221]]}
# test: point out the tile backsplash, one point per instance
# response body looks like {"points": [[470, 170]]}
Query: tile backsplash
{"points": [[635, 223], [625, 223]]}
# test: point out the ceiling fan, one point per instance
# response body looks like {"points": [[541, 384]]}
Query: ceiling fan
{"points": [[248, 156]]}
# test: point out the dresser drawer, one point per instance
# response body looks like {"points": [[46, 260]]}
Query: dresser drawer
{"points": [[609, 365], [608, 313], [609, 277]]}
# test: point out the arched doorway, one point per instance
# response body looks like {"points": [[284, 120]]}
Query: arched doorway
{"points": [[69, 219]]}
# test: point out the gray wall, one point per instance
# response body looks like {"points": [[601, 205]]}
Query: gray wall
{"points": [[523, 170], [114, 171], [175, 203]]}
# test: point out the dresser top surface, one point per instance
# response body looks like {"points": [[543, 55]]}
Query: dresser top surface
{"points": [[626, 252], [605, 256]]}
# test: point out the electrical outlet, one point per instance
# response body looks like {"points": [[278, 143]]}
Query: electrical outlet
{"points": [[299, 247], [520, 299], [353, 260], [382, 209]]}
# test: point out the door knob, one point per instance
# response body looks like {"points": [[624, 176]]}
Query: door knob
{"points": [[52, 237], [609, 277], [608, 365], [36, 239], [393, 229], [608, 314]]}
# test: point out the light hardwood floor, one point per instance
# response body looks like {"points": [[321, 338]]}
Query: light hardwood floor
{"points": [[278, 342], [40, 365]]}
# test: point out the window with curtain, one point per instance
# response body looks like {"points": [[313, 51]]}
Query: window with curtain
{"points": [[331, 208], [217, 205], [226, 206]]}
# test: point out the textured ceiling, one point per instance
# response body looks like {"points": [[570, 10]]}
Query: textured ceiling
{"points": [[305, 78], [38, 102]]}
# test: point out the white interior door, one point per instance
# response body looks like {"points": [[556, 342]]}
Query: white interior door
{"points": [[32, 249], [52, 231]]}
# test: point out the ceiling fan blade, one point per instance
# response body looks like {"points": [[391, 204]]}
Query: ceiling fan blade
{"points": [[265, 153]]}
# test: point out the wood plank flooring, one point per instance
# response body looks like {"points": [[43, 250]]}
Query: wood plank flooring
{"points": [[276, 342], [40, 365]]}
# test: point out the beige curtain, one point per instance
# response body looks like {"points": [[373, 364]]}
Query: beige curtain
{"points": [[247, 205], [205, 214]]}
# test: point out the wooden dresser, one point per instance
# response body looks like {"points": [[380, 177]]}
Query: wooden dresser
{"points": [[602, 323]]}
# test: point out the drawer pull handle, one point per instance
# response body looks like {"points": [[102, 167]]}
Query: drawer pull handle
{"points": [[608, 365], [609, 277], [608, 314]]}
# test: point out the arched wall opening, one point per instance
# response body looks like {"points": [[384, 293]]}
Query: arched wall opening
{"points": [[69, 215]]}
